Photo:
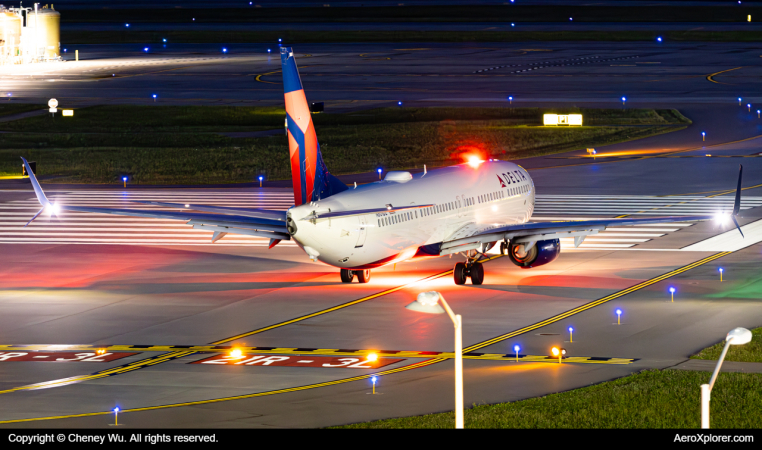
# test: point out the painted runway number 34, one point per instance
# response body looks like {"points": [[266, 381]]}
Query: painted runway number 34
{"points": [[298, 361]]}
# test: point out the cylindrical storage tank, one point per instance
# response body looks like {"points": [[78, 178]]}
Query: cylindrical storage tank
{"points": [[42, 33], [50, 32], [10, 34]]}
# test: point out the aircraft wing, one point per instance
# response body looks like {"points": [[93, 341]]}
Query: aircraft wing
{"points": [[257, 213], [531, 232], [252, 222]]}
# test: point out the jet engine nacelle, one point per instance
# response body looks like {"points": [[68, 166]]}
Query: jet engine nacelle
{"points": [[541, 253]]}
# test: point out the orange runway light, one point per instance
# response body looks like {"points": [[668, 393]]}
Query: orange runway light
{"points": [[236, 353]]}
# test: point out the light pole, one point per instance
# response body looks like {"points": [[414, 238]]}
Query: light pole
{"points": [[428, 302], [736, 336]]}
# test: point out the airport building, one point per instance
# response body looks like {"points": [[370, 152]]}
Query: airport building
{"points": [[29, 35]]}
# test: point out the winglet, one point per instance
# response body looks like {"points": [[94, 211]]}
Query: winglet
{"points": [[737, 203], [37, 189]]}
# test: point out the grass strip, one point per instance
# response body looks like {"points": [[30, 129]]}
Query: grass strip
{"points": [[751, 352], [8, 108], [170, 145], [649, 399], [155, 118], [290, 36]]}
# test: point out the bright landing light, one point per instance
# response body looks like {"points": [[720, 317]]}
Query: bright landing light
{"points": [[722, 218]]}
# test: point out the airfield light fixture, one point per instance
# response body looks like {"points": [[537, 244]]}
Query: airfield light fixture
{"points": [[187, 205], [624, 99], [513, 24], [372, 357], [154, 97], [571, 330], [379, 170], [64, 50], [145, 49], [127, 25], [658, 39], [739, 101], [516, 349], [373, 379], [736, 336], [100, 351], [703, 135], [224, 50], [758, 111], [280, 40], [510, 99], [558, 352], [399, 103], [116, 416], [721, 274], [260, 180], [124, 179], [164, 40], [429, 302], [236, 353], [672, 293], [748, 106], [618, 316], [570, 19]]}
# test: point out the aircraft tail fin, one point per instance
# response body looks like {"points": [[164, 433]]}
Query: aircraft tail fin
{"points": [[309, 175]]}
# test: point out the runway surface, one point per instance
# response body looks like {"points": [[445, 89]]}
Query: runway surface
{"points": [[363, 75], [165, 295]]}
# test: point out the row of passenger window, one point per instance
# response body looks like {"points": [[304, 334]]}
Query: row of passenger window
{"points": [[438, 209], [424, 212]]}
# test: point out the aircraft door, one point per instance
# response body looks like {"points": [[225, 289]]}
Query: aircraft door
{"points": [[363, 232]]}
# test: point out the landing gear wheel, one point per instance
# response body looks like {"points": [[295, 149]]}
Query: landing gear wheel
{"points": [[477, 274], [346, 275], [363, 276], [503, 248], [459, 273]]}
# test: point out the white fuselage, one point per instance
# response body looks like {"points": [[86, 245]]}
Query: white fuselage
{"points": [[466, 199]]}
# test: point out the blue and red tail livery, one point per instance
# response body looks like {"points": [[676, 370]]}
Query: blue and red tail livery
{"points": [[309, 174]]}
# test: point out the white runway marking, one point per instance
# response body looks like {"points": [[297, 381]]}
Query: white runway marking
{"points": [[95, 229]]}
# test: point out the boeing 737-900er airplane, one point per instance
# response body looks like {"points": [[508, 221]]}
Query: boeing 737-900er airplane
{"points": [[467, 209]]}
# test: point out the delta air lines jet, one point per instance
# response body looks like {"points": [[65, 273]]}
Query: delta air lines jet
{"points": [[466, 209]]}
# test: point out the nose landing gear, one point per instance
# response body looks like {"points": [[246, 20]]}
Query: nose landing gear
{"points": [[363, 276], [471, 268]]}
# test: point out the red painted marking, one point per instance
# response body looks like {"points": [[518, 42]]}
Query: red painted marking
{"points": [[62, 356], [344, 362]]}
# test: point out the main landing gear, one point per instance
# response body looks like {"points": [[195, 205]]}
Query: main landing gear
{"points": [[363, 276], [471, 268]]}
